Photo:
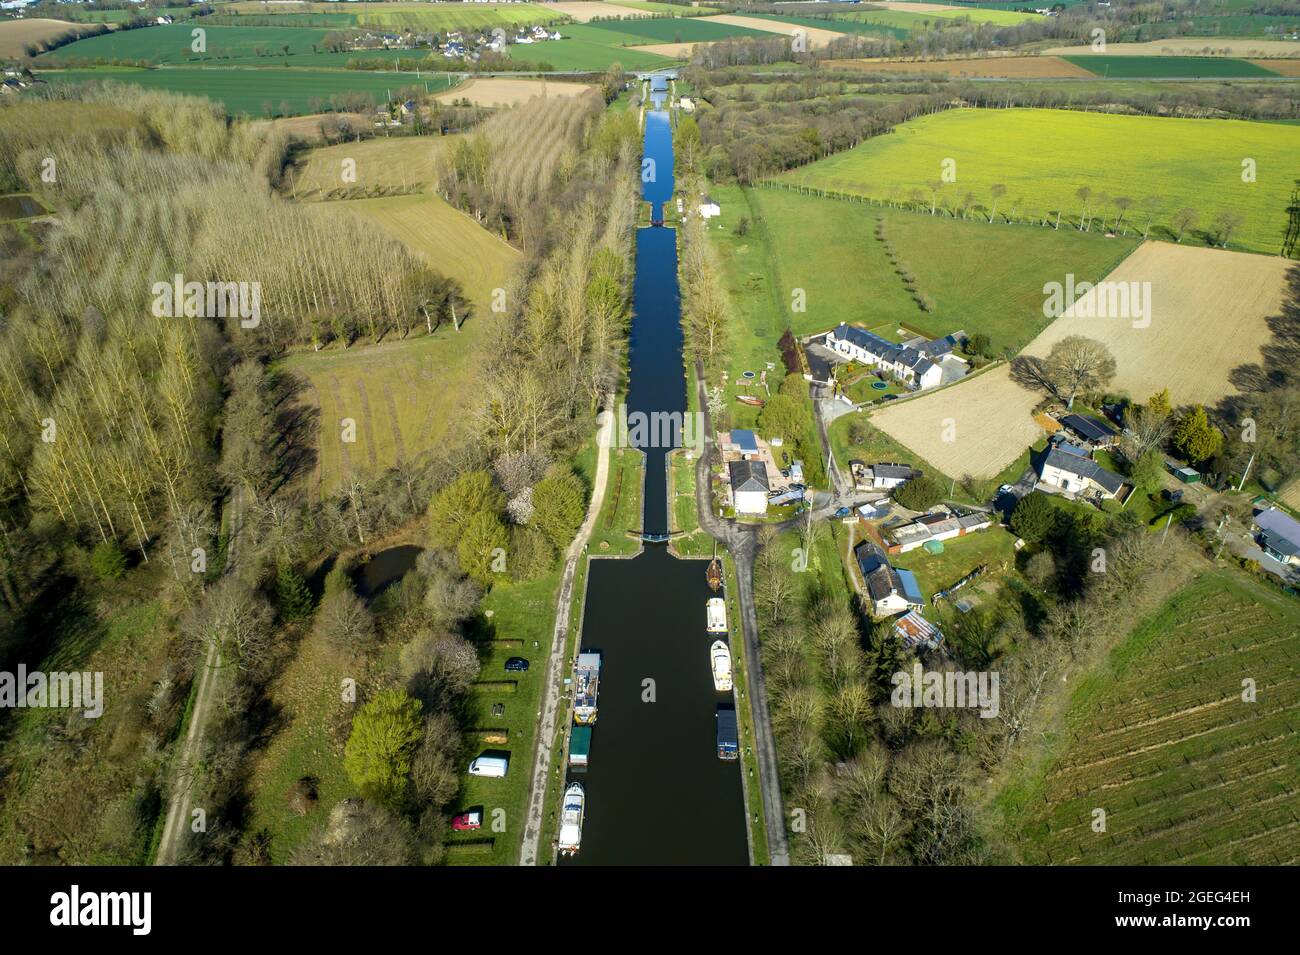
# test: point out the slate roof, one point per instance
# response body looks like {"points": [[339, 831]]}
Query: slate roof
{"points": [[1280, 526], [1089, 428], [886, 350], [748, 476], [900, 471], [1084, 468]]}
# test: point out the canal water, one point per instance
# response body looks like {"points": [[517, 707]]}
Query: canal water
{"points": [[657, 794]]}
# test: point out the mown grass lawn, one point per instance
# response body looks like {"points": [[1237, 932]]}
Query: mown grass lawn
{"points": [[1043, 156], [521, 624], [994, 546], [621, 510]]}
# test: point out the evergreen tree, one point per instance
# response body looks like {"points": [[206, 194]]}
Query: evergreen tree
{"points": [[291, 593], [1033, 517], [919, 494], [1195, 438]]}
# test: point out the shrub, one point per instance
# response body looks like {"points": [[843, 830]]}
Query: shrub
{"points": [[379, 751], [107, 560]]}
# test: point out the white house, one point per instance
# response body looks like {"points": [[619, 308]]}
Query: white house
{"points": [[1279, 535], [880, 477], [708, 208], [910, 365], [890, 590], [749, 487], [686, 104], [1078, 475]]}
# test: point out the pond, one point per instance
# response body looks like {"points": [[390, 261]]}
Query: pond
{"points": [[385, 569]]}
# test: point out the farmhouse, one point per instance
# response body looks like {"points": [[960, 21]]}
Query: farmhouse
{"points": [[1092, 430], [1078, 475], [708, 208], [940, 526], [890, 590], [749, 486], [878, 477], [1279, 535], [916, 365]]}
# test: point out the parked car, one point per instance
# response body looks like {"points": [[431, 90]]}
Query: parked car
{"points": [[517, 665], [890, 398], [473, 819], [1006, 489], [844, 512]]}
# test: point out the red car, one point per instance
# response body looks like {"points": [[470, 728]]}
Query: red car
{"points": [[467, 820]]}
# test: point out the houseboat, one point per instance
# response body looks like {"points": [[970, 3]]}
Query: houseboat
{"points": [[716, 615], [586, 687]]}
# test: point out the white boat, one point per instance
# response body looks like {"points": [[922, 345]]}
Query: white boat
{"points": [[716, 612], [720, 659], [575, 802]]}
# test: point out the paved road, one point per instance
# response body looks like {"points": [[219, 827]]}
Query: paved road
{"points": [[181, 784], [548, 717]]}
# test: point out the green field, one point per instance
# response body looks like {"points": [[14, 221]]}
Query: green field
{"points": [[581, 50], [1159, 67], [676, 30], [257, 93], [980, 277], [899, 24], [1043, 156], [439, 17], [172, 44], [1161, 740], [114, 16]]}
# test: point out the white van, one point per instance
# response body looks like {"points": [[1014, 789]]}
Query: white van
{"points": [[494, 766]]}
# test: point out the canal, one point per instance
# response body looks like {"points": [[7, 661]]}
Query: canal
{"points": [[657, 794]]}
